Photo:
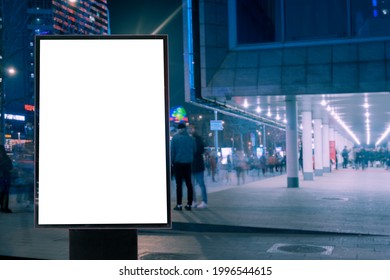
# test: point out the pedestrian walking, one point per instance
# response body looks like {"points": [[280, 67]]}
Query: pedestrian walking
{"points": [[229, 168], [345, 155], [198, 168], [5, 180], [263, 163], [183, 148], [213, 160], [239, 164]]}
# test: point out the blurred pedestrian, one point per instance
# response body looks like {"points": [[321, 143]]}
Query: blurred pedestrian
{"points": [[229, 168], [213, 159], [239, 163], [183, 148], [263, 163], [300, 159], [5, 180], [345, 154], [198, 168], [272, 163]]}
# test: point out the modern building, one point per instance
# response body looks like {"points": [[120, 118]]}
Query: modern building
{"points": [[311, 67], [81, 17], [20, 21]]}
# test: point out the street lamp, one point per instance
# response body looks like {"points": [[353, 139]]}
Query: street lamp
{"points": [[11, 71]]}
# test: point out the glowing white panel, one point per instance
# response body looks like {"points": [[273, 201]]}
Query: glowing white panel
{"points": [[102, 144]]}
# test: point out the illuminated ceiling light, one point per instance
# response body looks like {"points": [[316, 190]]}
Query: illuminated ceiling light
{"points": [[323, 102], [269, 114], [328, 108], [246, 105], [343, 125], [258, 109], [384, 135], [367, 114], [284, 119], [277, 117]]}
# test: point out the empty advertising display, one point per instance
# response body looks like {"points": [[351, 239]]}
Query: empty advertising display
{"points": [[102, 132]]}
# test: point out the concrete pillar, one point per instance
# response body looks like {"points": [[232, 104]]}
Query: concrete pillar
{"points": [[325, 144], [292, 142], [317, 141], [318, 169], [307, 152]]}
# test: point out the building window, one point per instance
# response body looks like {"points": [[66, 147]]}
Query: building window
{"points": [[268, 21], [256, 21], [370, 18], [320, 19]]}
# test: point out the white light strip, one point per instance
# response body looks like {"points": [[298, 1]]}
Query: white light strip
{"points": [[384, 135], [338, 119], [346, 128], [246, 105], [367, 121]]}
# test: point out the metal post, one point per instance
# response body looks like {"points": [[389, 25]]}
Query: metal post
{"points": [[292, 143]]}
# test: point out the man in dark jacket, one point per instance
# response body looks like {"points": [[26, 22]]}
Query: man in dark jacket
{"points": [[183, 149], [198, 167]]}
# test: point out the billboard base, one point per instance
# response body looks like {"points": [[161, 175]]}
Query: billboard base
{"points": [[103, 244]]}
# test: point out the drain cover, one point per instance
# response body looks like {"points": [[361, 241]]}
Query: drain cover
{"points": [[335, 198], [300, 249]]}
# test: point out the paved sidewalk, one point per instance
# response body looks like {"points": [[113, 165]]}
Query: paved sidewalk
{"points": [[344, 201], [341, 215]]}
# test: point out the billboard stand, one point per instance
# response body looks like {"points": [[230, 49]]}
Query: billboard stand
{"points": [[84, 85], [103, 244]]}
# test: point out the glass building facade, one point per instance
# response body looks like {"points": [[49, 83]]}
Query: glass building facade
{"points": [[81, 17], [20, 21], [268, 21]]}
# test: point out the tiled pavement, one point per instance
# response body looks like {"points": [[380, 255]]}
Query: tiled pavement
{"points": [[341, 215]]}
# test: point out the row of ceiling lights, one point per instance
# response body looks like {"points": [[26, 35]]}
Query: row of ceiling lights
{"points": [[323, 103], [336, 117], [269, 113], [367, 121]]}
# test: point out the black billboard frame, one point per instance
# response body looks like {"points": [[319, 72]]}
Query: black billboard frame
{"points": [[168, 224]]}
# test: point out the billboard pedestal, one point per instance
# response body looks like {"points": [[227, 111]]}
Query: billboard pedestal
{"points": [[103, 244]]}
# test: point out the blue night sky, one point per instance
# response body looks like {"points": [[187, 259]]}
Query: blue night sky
{"points": [[144, 17]]}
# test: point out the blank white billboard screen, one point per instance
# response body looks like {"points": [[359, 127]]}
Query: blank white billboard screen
{"points": [[102, 143]]}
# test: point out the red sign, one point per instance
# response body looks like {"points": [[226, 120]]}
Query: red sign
{"points": [[28, 107], [332, 150]]}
